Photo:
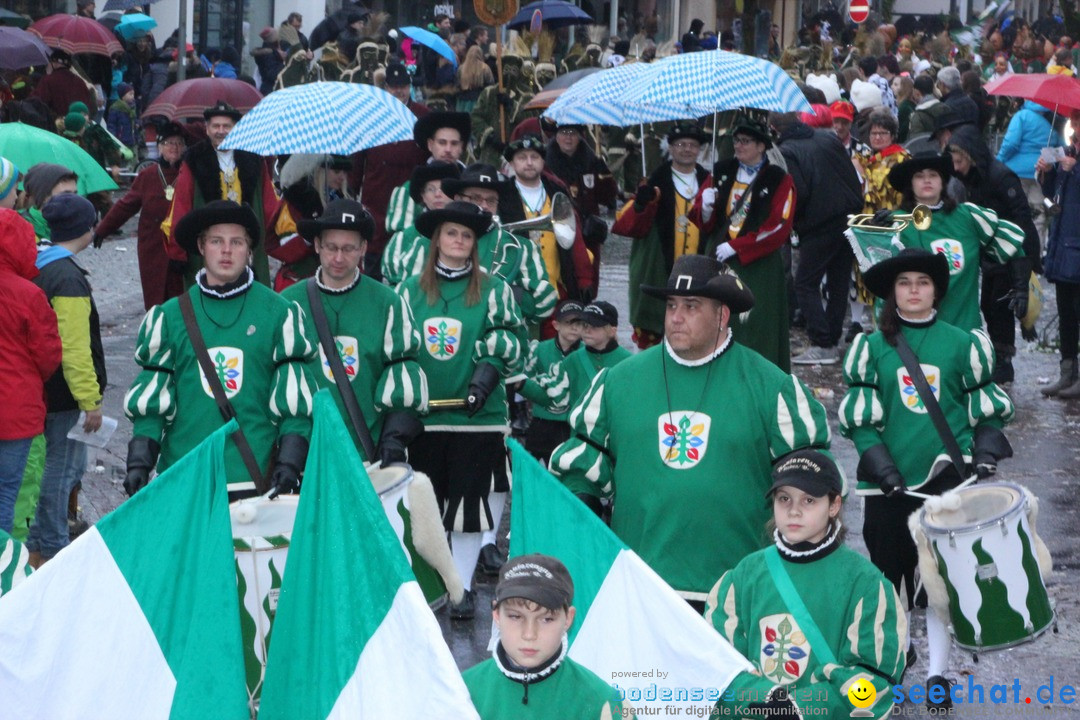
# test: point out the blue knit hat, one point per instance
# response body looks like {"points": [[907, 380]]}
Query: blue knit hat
{"points": [[9, 177]]}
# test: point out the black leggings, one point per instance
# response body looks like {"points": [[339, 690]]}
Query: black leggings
{"points": [[462, 467], [1068, 307]]}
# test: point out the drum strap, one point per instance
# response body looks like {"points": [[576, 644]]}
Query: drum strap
{"points": [[933, 409], [798, 608], [337, 369], [198, 344]]}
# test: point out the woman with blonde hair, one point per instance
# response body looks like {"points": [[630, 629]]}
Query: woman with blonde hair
{"points": [[472, 77]]}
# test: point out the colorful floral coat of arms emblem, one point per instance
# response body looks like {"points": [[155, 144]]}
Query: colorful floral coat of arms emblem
{"points": [[229, 364], [683, 438], [953, 252], [785, 651], [347, 348], [442, 337], [909, 395]]}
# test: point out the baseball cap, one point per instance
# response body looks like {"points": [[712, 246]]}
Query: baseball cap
{"points": [[599, 313], [540, 578], [568, 310], [811, 471]]}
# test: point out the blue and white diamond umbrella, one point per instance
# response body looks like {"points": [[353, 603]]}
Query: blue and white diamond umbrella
{"points": [[719, 80], [323, 117], [604, 98]]}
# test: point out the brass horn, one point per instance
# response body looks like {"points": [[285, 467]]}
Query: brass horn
{"points": [[561, 220], [921, 217]]}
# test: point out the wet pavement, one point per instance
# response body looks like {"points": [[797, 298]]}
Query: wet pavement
{"points": [[1045, 436]]}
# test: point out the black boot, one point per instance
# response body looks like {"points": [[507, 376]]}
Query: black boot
{"points": [[466, 609], [491, 559]]}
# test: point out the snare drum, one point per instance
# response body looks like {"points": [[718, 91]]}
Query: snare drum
{"points": [[392, 483], [989, 560], [260, 547]]}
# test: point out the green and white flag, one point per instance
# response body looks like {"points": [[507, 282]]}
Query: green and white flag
{"points": [[353, 636], [14, 563], [139, 617], [631, 628]]}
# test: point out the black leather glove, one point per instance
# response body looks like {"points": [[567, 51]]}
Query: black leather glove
{"points": [[141, 458], [1020, 273], [291, 455], [96, 240], [989, 445], [644, 195], [592, 502], [398, 430], [594, 230], [882, 218], [505, 100], [876, 466], [485, 379], [178, 266]]}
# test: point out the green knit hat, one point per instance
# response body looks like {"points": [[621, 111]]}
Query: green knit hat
{"points": [[79, 107], [74, 122]]}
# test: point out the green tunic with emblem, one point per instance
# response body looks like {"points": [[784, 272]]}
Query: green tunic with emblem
{"points": [[571, 692], [686, 453], [882, 405], [861, 620], [257, 341], [455, 337], [378, 342], [963, 236]]}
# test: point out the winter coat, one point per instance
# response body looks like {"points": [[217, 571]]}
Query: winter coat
{"points": [[826, 184], [1062, 260], [1028, 133], [963, 107], [122, 123], [29, 342]]}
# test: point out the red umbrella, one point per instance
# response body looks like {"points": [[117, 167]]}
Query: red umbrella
{"points": [[75, 35], [189, 98], [1059, 93]]}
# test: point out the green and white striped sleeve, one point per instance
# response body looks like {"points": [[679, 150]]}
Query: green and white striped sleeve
{"points": [[403, 384], [401, 210], [548, 387], [987, 403], [150, 403], [862, 414], [292, 388], [583, 462], [799, 420], [1001, 240], [542, 296], [500, 344]]}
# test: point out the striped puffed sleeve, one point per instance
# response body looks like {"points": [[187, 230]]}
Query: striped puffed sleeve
{"points": [[391, 266], [500, 344], [799, 420], [403, 384], [541, 295], [547, 387], [873, 650], [862, 415], [401, 210], [583, 462], [987, 403], [292, 387], [1001, 240], [150, 403]]}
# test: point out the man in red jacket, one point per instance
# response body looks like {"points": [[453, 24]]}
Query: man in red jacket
{"points": [[62, 86], [29, 355]]}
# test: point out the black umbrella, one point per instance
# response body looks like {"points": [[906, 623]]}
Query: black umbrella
{"points": [[565, 81]]}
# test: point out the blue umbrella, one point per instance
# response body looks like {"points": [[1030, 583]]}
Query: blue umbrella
{"points": [[554, 13], [126, 4], [431, 40], [322, 117], [134, 25], [720, 80], [604, 98]]}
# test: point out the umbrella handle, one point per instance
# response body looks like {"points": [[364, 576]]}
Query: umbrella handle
{"points": [[498, 66]]}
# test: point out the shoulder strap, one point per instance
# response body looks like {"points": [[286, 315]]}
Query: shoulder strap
{"points": [[798, 608], [337, 369], [198, 344], [933, 409]]}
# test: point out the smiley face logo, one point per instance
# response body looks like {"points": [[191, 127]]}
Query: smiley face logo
{"points": [[862, 693]]}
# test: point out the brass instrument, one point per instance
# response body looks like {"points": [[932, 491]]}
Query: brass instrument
{"points": [[920, 217], [561, 220], [448, 404]]}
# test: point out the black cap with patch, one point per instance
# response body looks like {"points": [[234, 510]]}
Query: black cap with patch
{"points": [[811, 471], [540, 578], [599, 313]]}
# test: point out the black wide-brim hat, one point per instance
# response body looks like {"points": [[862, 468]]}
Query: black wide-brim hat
{"points": [[880, 278], [423, 174], [703, 276], [426, 126], [687, 130], [756, 130], [525, 142], [479, 175], [222, 108], [900, 176], [339, 215], [463, 213], [218, 212]]}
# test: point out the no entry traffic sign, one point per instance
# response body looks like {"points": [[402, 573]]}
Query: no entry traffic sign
{"points": [[859, 10]]}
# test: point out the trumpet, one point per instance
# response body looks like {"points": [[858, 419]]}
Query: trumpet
{"points": [[920, 217], [561, 221]]}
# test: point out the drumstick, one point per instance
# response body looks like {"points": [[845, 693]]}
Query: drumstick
{"points": [[924, 496]]}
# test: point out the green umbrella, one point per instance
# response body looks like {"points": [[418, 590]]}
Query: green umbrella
{"points": [[26, 146]]}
